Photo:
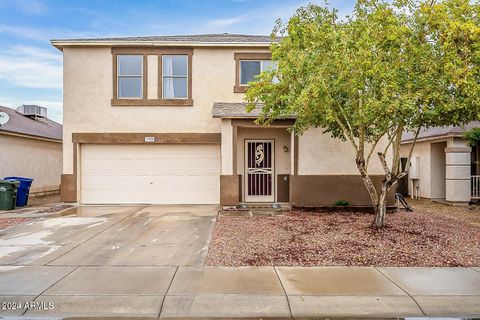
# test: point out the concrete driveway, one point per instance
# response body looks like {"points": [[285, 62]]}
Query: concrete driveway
{"points": [[112, 236], [102, 250]]}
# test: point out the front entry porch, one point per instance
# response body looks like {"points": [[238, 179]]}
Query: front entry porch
{"points": [[257, 162], [269, 165]]}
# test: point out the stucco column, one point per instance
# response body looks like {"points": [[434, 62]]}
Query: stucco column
{"points": [[230, 187], [292, 153], [227, 147], [457, 174]]}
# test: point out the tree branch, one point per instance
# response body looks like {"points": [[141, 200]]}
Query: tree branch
{"points": [[407, 167], [346, 133]]}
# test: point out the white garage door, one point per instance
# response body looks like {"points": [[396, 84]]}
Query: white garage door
{"points": [[157, 174]]}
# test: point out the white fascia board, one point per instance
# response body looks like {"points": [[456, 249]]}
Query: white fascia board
{"points": [[75, 43]]}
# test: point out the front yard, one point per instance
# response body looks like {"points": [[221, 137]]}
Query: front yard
{"points": [[433, 235]]}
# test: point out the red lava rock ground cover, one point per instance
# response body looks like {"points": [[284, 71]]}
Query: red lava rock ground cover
{"points": [[300, 238], [7, 222]]}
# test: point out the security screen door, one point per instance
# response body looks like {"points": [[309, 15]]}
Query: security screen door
{"points": [[259, 170]]}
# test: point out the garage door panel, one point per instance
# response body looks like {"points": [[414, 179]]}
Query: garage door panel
{"points": [[163, 174]]}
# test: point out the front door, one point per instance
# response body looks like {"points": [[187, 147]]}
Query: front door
{"points": [[259, 170]]}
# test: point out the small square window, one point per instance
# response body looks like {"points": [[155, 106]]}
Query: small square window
{"points": [[249, 69]]}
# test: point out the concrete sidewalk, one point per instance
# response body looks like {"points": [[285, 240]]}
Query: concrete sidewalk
{"points": [[245, 292]]}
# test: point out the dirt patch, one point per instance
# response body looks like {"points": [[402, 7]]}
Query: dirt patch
{"points": [[7, 222], [469, 214], [43, 200], [56, 208], [299, 238]]}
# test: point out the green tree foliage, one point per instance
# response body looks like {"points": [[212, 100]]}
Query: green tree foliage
{"points": [[386, 69], [473, 137]]}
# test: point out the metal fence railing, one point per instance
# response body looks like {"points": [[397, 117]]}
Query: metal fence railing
{"points": [[475, 187]]}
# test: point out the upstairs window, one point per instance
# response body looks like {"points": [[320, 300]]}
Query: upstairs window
{"points": [[248, 65], [159, 76], [130, 76], [249, 69], [175, 76]]}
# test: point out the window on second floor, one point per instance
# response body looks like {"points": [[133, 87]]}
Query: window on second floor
{"points": [[152, 77], [249, 69], [248, 66], [175, 76], [130, 76]]}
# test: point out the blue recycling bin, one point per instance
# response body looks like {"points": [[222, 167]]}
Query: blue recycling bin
{"points": [[23, 190]]}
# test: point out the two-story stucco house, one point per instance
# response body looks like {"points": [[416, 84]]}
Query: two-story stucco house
{"points": [[161, 120]]}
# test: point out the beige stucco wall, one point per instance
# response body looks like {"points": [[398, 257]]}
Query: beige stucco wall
{"points": [[432, 164], [421, 150], [32, 158], [319, 154], [88, 93], [437, 169], [227, 147], [87, 108]]}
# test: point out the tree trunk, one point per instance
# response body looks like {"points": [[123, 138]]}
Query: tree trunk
{"points": [[381, 208], [372, 191]]}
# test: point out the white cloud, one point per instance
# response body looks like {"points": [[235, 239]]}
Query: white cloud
{"points": [[228, 21], [25, 32], [54, 108], [266, 14], [31, 67], [43, 35], [31, 6]]}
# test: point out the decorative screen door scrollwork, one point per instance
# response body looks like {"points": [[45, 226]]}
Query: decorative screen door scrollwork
{"points": [[259, 170]]}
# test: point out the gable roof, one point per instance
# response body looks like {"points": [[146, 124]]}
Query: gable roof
{"points": [[440, 132], [216, 39], [21, 124]]}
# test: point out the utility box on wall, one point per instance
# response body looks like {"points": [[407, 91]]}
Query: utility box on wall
{"points": [[414, 171]]}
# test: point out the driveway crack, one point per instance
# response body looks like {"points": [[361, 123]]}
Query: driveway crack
{"points": [[166, 292], [398, 286], [38, 296], [285, 292]]}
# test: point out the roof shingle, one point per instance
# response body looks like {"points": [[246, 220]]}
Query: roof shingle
{"points": [[19, 123], [217, 37], [434, 132], [236, 110]]}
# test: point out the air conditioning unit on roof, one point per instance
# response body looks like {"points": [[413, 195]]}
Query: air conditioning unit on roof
{"points": [[33, 111]]}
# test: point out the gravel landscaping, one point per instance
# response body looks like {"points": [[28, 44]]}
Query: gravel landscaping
{"points": [[432, 235], [7, 222]]}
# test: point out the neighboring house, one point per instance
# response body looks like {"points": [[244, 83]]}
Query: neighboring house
{"points": [[31, 146], [161, 120], [443, 167]]}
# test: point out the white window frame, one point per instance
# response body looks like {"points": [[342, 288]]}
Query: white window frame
{"points": [[240, 69], [129, 76], [175, 77]]}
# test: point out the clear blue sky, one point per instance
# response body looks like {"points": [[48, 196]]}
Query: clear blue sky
{"points": [[31, 69]]}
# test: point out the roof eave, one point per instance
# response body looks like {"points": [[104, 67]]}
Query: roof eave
{"points": [[216, 116], [434, 137], [60, 44], [30, 136]]}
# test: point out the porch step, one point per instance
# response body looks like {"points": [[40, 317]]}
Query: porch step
{"points": [[256, 209], [251, 213], [264, 205]]}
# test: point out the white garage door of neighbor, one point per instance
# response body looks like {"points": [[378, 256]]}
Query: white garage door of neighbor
{"points": [[156, 174]]}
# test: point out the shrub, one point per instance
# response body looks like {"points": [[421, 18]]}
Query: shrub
{"points": [[342, 203]]}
